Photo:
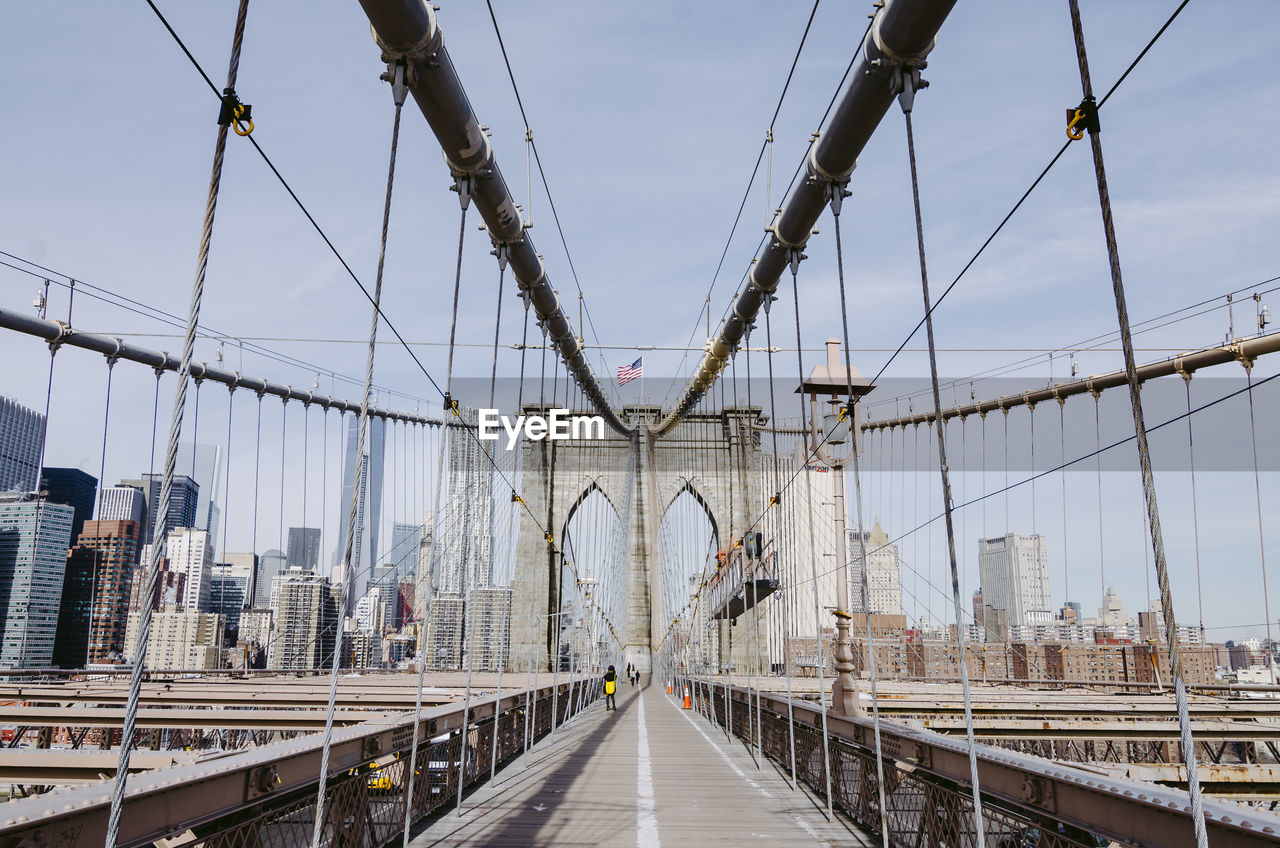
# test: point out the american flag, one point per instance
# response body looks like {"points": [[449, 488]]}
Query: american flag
{"points": [[627, 373]]}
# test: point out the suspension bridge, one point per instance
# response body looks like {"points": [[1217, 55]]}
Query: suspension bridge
{"points": [[770, 569]]}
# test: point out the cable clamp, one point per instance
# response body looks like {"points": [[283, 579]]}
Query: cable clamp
{"points": [[451, 404], [503, 252], [794, 256], [423, 55], [517, 499], [396, 75], [837, 191], [464, 185], [233, 113], [906, 82], [1081, 118], [776, 499]]}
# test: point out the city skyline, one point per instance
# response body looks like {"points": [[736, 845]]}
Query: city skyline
{"points": [[947, 491], [1023, 288]]}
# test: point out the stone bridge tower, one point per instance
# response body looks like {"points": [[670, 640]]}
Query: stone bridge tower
{"points": [[715, 456]]}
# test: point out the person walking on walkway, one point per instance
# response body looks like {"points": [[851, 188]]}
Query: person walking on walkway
{"points": [[610, 689]]}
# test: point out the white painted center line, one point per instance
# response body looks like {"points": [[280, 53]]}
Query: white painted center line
{"points": [[646, 818]]}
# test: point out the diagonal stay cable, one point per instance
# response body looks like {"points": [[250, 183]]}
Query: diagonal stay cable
{"points": [[1062, 466], [204, 331], [337, 255], [175, 432], [303, 208], [764, 145], [1034, 184], [399, 93], [542, 176]]}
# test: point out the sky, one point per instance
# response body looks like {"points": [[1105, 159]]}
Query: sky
{"points": [[648, 121]]}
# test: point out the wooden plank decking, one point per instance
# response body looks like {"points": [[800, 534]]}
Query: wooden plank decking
{"points": [[648, 775]]}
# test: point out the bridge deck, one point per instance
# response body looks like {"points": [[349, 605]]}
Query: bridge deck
{"points": [[647, 775]]}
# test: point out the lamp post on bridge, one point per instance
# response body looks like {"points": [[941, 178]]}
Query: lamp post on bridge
{"points": [[824, 439]]}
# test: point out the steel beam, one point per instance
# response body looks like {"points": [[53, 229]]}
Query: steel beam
{"points": [[207, 719], [1184, 364], [407, 30], [58, 333], [168, 801], [902, 34], [1128, 811], [29, 767], [1163, 731]]}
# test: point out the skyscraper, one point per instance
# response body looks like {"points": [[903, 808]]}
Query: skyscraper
{"points": [[190, 554], [1014, 571], [123, 503], [884, 580], [403, 556], [34, 537], [306, 621], [304, 548], [21, 437], [228, 590], [462, 552], [170, 585], [368, 469], [270, 565], [179, 639], [184, 496], [95, 594], [74, 488], [205, 467], [462, 562], [247, 561]]}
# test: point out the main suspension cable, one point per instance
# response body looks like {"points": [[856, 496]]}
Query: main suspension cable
{"points": [[175, 432], [399, 90], [910, 82]]}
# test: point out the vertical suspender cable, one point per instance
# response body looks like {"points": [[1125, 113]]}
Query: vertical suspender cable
{"points": [[1257, 490], [790, 587], [1140, 431], [175, 431], [1097, 443], [750, 446], [226, 500], [35, 528], [106, 418], [1062, 458], [501, 252], [837, 196], [796, 256], [1195, 512], [910, 83], [284, 420], [464, 198], [257, 473], [399, 92]]}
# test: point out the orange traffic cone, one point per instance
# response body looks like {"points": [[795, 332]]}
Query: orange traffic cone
{"points": [[687, 704], [668, 687]]}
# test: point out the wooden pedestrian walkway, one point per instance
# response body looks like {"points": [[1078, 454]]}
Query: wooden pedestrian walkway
{"points": [[648, 775]]}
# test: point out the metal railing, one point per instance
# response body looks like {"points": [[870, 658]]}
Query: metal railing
{"points": [[266, 797], [1028, 802]]}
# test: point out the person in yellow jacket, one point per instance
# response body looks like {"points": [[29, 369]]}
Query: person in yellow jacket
{"points": [[610, 688]]}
